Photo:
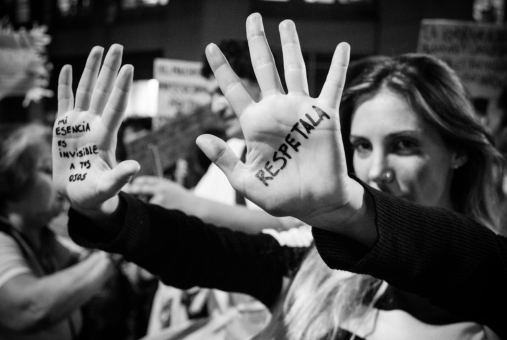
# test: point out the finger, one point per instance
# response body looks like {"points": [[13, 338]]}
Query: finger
{"points": [[262, 59], [112, 181], [95, 257], [221, 320], [65, 95], [294, 64], [230, 84], [219, 153], [143, 187], [140, 190], [333, 87], [88, 78], [142, 180], [106, 79], [117, 104]]}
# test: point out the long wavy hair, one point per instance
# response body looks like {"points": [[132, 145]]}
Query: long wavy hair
{"points": [[320, 300], [436, 94]]}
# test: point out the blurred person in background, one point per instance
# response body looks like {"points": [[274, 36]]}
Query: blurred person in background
{"points": [[43, 284], [131, 129]]}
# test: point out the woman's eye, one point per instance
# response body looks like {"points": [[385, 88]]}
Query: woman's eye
{"points": [[405, 147], [361, 146]]}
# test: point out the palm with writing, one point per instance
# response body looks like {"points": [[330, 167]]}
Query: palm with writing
{"points": [[295, 161], [84, 134]]}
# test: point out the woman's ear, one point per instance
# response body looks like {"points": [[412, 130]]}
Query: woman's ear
{"points": [[459, 159]]}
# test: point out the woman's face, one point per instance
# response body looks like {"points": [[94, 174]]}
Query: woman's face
{"points": [[41, 203], [395, 151]]}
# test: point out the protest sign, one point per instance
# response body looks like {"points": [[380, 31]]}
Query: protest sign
{"points": [[182, 89], [476, 51]]}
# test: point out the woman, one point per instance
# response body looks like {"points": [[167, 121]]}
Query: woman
{"points": [[42, 287], [411, 132], [168, 243], [434, 92]]}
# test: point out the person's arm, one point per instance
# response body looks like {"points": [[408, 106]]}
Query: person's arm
{"points": [[185, 252], [296, 166], [171, 195], [84, 135], [29, 303], [181, 250], [450, 259]]}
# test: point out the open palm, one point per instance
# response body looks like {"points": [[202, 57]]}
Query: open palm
{"points": [[84, 134], [295, 162]]}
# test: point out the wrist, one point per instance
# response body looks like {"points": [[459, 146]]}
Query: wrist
{"points": [[355, 219], [103, 213]]}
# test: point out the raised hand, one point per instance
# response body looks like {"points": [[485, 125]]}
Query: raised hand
{"points": [[295, 160], [84, 134]]}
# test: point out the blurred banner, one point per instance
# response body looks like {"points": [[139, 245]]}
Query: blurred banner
{"points": [[182, 89], [476, 51]]}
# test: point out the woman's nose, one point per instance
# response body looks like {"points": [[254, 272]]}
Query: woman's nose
{"points": [[380, 172]]}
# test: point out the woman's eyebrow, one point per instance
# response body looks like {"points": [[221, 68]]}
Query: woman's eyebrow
{"points": [[406, 133], [357, 137]]}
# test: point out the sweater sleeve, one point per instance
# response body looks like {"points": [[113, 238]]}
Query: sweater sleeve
{"points": [[447, 258], [185, 252]]}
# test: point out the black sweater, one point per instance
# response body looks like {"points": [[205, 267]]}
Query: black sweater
{"points": [[452, 261], [184, 252]]}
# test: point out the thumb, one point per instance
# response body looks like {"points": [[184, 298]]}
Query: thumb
{"points": [[219, 153], [115, 179]]}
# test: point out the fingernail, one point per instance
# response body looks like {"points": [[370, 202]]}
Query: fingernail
{"points": [[210, 48], [117, 47], [286, 24], [255, 21], [214, 56], [345, 47], [127, 68]]}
